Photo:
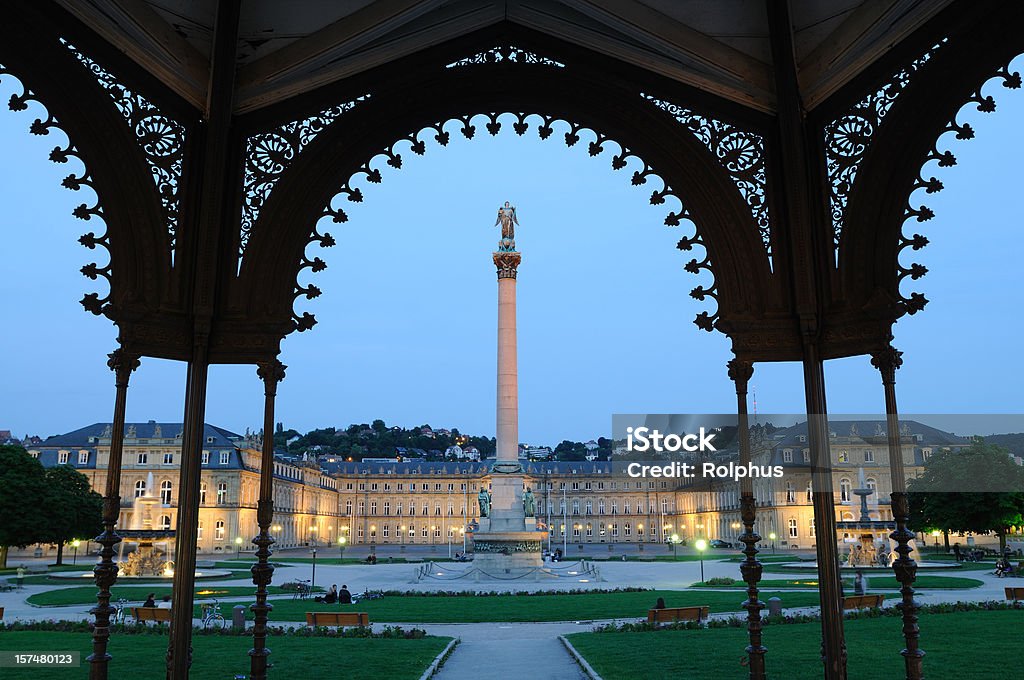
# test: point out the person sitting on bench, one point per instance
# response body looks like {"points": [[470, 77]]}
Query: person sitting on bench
{"points": [[344, 596]]}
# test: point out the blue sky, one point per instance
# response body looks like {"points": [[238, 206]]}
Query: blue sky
{"points": [[408, 314]]}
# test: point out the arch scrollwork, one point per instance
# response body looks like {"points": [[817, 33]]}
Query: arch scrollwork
{"points": [[545, 125]]}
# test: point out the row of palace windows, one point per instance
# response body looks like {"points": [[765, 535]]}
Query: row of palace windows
{"points": [[399, 507], [604, 529], [845, 489], [843, 456], [219, 530], [166, 489], [450, 487], [794, 529]]}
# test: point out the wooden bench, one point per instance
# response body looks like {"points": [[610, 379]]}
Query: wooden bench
{"points": [[337, 619], [863, 601], [158, 614], [1, 613], [1015, 593], [674, 614]]}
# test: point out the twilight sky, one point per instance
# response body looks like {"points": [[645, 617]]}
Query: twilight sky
{"points": [[408, 315]]}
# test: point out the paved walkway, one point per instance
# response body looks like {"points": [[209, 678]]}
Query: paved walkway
{"points": [[491, 650]]}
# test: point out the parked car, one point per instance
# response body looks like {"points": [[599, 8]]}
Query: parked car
{"points": [[719, 543]]}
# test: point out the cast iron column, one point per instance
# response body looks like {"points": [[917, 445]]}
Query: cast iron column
{"points": [[740, 372], [271, 372], [179, 650], [887, 361], [122, 364]]}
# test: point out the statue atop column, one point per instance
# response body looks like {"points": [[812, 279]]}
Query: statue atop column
{"points": [[508, 221], [484, 499]]}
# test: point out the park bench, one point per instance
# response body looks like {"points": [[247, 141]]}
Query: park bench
{"points": [[674, 614], [1, 613], [862, 601], [5, 585], [1015, 593], [337, 619], [158, 614]]}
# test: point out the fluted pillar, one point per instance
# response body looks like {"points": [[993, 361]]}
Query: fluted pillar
{"points": [[122, 364], [887, 361], [271, 373], [740, 372]]}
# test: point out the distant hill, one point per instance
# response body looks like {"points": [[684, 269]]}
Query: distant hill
{"points": [[1014, 442]]}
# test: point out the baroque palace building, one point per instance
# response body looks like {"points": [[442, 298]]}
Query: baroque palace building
{"points": [[305, 498], [382, 503]]}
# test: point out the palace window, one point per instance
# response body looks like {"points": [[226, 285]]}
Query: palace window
{"points": [[426, 509], [844, 490], [437, 532], [165, 522], [807, 455], [206, 457], [576, 530], [141, 458], [872, 484], [384, 530], [424, 532], [165, 492], [348, 507], [359, 533], [412, 531], [398, 510], [790, 493], [218, 530], [362, 507], [590, 529], [810, 528], [140, 488], [373, 486], [561, 486], [575, 486], [373, 507], [600, 507], [387, 487], [199, 534], [225, 457], [451, 509], [168, 458], [451, 486], [639, 529], [626, 508], [615, 507], [588, 486], [62, 457], [787, 455], [793, 531], [202, 493], [590, 507], [83, 457], [387, 507], [437, 486], [575, 506], [869, 456], [664, 506], [810, 492], [844, 456], [222, 493], [627, 528], [615, 530]]}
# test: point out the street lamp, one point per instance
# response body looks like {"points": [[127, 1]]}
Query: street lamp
{"points": [[238, 546], [701, 546], [341, 548], [771, 536], [312, 581], [74, 544], [936, 533], [674, 540]]}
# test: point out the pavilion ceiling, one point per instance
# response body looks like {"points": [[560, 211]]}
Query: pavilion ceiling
{"points": [[720, 46]]}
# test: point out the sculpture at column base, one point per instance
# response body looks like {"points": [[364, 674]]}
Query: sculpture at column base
{"points": [[507, 468]]}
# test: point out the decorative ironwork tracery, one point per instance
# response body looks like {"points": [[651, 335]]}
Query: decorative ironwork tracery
{"points": [[506, 53], [545, 127], [915, 302], [161, 138], [268, 155], [848, 137], [92, 302], [740, 152]]}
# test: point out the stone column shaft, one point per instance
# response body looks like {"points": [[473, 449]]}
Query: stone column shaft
{"points": [[508, 373]]}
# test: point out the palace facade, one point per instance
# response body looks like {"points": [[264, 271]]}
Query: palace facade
{"points": [[433, 503]]}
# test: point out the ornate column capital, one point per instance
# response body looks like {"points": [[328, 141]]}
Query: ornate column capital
{"points": [[887, 361], [740, 372], [271, 373], [507, 263], [122, 364]]}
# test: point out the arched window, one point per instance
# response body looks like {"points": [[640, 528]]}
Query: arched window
{"points": [[202, 493], [872, 484], [218, 530], [222, 493], [810, 491], [165, 492], [790, 492], [140, 488], [844, 490], [165, 522], [794, 532]]}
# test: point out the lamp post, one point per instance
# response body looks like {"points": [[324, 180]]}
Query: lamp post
{"points": [[463, 530], [701, 546], [238, 546], [341, 548], [312, 581], [674, 540], [74, 544], [772, 537], [936, 533]]}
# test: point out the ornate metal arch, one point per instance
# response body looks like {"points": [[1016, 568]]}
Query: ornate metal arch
{"points": [[134, 219], [275, 251], [882, 202]]}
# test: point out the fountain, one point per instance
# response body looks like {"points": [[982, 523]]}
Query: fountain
{"points": [[146, 560]]}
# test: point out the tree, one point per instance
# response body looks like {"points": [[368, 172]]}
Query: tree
{"points": [[71, 508], [379, 426], [22, 492], [994, 505]]}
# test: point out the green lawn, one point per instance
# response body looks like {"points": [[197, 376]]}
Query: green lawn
{"points": [[926, 581], [961, 645], [217, 657], [476, 608], [137, 594], [809, 582]]}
